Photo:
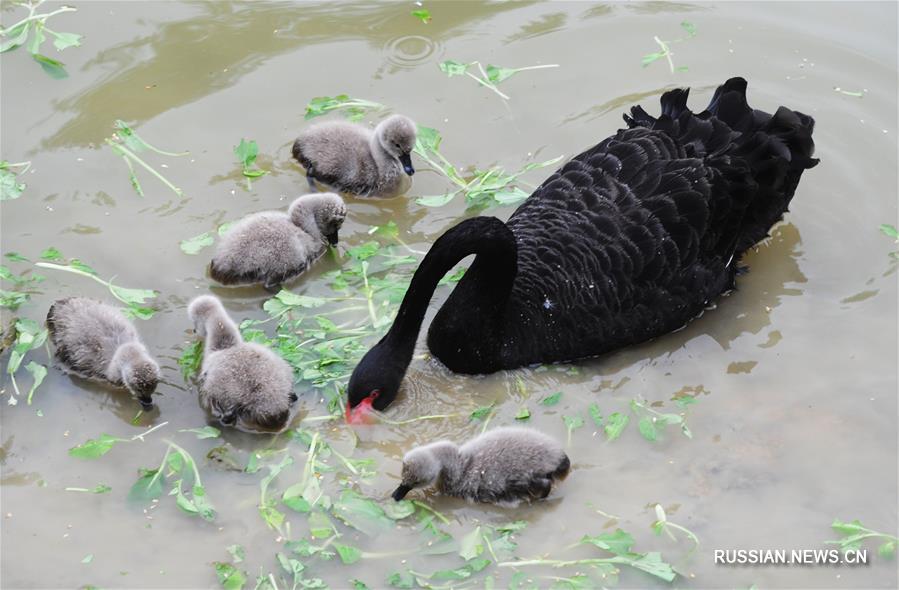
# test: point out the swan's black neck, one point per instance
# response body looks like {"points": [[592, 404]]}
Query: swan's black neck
{"points": [[493, 243]]}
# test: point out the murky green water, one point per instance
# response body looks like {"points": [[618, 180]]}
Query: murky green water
{"points": [[797, 413]]}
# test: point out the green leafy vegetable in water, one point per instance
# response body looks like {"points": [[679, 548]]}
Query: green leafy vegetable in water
{"points": [[190, 360], [273, 517], [179, 468], [29, 335], [352, 108], [127, 143], [246, 152], [205, 432], [230, 578], [572, 423], [615, 425], [523, 413], [619, 543], [890, 231], [855, 533], [665, 47], [35, 24], [423, 14], [595, 414], [195, 244], [483, 188], [652, 422], [98, 489], [490, 77], [10, 187], [662, 524], [95, 447], [551, 399], [134, 299]]}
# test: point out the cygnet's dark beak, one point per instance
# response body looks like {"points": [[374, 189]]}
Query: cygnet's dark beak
{"points": [[146, 403], [406, 161], [400, 492], [332, 238]]}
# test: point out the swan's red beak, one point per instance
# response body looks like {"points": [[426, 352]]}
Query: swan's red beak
{"points": [[363, 413]]}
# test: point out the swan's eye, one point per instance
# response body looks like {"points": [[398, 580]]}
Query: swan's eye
{"points": [[374, 394]]}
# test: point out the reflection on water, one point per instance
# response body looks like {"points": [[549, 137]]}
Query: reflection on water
{"points": [[793, 373], [210, 49]]}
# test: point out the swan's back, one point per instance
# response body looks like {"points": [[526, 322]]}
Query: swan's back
{"points": [[86, 334], [632, 238]]}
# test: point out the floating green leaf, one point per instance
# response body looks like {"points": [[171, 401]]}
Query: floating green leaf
{"points": [[147, 487], [205, 432], [95, 447], [361, 513], [551, 399], [423, 14], [38, 372], [348, 555], [10, 187], [195, 244], [230, 578], [615, 425], [353, 108]]}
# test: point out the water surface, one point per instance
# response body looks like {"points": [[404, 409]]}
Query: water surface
{"points": [[794, 373]]}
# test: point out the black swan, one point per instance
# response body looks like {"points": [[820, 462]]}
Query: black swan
{"points": [[502, 466], [627, 241]]}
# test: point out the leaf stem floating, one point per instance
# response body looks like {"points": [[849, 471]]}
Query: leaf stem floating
{"points": [[352, 108], [126, 143], [855, 532], [134, 299], [491, 76], [18, 33], [666, 49]]}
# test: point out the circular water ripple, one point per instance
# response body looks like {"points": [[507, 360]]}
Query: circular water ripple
{"points": [[410, 51]]}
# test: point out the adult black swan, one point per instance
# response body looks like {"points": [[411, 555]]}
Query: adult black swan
{"points": [[627, 241]]}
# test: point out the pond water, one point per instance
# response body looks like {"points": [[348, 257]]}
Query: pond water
{"points": [[794, 374]]}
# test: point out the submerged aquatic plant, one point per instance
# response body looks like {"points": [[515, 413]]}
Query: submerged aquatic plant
{"points": [[127, 143], [134, 299], [482, 188], [490, 76], [351, 108], [665, 47], [35, 25]]}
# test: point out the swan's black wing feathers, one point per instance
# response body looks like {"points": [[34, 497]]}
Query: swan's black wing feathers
{"points": [[634, 237]]}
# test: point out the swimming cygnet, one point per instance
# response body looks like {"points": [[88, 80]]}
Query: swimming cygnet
{"points": [[504, 465], [273, 247], [95, 341], [242, 384], [352, 159]]}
